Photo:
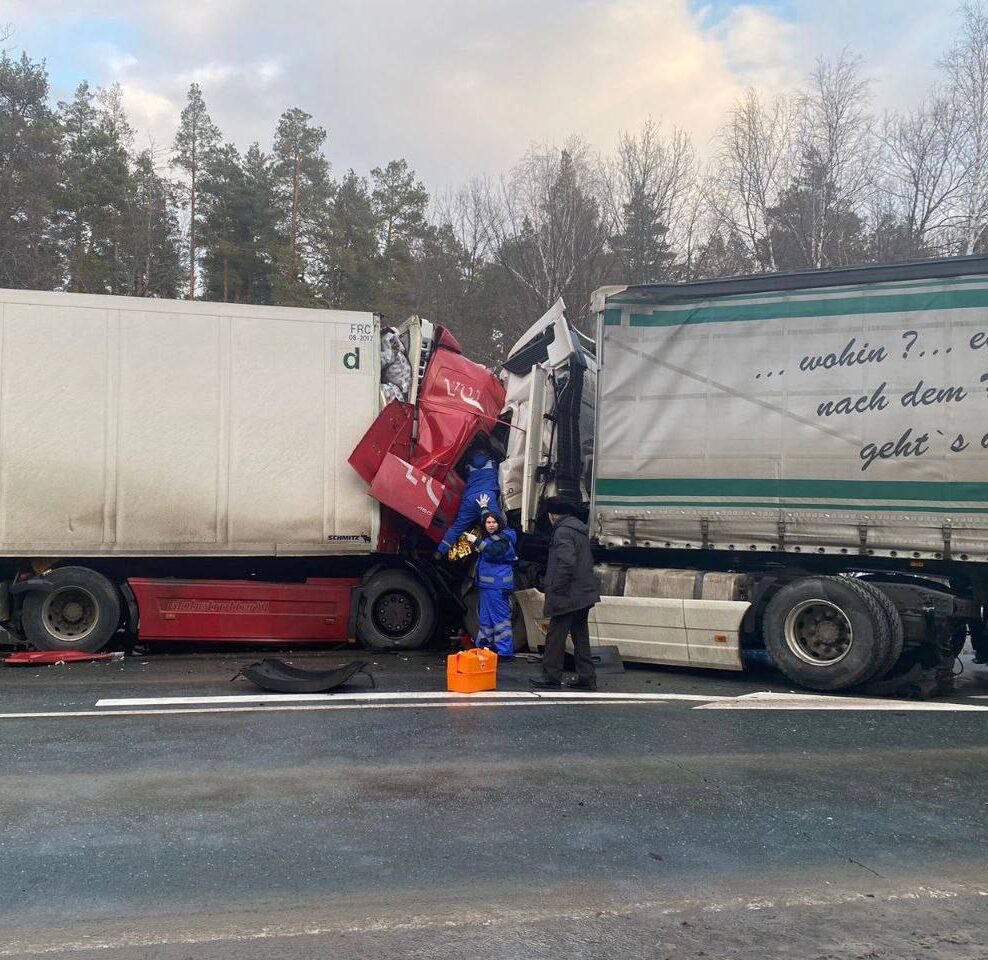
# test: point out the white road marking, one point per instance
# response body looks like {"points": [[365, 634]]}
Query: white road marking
{"points": [[394, 700], [381, 695], [809, 701], [300, 707], [462, 918]]}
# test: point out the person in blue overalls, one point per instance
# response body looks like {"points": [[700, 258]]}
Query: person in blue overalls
{"points": [[481, 493], [496, 581]]}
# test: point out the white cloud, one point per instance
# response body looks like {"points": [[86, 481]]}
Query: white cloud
{"points": [[463, 86], [152, 114], [760, 50], [209, 74], [197, 23], [601, 68], [113, 62], [267, 71]]}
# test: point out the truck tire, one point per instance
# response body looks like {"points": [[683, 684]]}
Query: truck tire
{"points": [[82, 612], [397, 612], [897, 636], [826, 633]]}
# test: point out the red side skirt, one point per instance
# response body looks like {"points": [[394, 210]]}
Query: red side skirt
{"points": [[239, 610]]}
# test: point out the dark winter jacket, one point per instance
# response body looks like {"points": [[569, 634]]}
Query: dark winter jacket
{"points": [[570, 582], [495, 568]]}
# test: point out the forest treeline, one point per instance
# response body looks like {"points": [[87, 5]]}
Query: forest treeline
{"points": [[813, 178]]}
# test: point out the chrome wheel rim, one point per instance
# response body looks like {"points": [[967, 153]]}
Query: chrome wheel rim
{"points": [[818, 632], [70, 614]]}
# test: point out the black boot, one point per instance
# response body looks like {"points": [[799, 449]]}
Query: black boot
{"points": [[582, 683]]}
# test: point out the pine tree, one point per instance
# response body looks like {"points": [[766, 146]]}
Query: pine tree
{"points": [[195, 142], [238, 226], [347, 248], [259, 265], [29, 151], [304, 189], [400, 204], [96, 193], [223, 236], [812, 226], [652, 177], [154, 243], [111, 106], [641, 246]]}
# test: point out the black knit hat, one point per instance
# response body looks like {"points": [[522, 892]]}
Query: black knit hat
{"points": [[560, 505]]}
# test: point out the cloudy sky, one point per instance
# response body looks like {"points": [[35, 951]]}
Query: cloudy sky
{"points": [[463, 86]]}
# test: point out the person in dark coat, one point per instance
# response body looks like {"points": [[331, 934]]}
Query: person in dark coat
{"points": [[571, 589]]}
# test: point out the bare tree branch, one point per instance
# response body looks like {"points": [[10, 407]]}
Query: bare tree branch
{"points": [[756, 161], [966, 67]]}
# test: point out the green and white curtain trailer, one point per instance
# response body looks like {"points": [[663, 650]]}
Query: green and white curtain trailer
{"points": [[840, 411]]}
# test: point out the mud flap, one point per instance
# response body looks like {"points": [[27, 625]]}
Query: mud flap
{"points": [[277, 676]]}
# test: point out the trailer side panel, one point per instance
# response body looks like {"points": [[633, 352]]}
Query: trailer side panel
{"points": [[848, 419], [138, 427]]}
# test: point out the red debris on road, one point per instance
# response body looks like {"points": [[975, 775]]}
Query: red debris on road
{"points": [[55, 657]]}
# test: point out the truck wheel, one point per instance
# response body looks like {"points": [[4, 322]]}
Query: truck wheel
{"points": [[897, 636], [81, 613], [825, 633], [397, 612]]}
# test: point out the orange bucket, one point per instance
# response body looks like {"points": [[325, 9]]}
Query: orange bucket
{"points": [[471, 671]]}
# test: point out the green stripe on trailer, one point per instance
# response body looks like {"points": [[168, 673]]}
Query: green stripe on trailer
{"points": [[821, 307], [780, 507], [793, 489], [810, 291]]}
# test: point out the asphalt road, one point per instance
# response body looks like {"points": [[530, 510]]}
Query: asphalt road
{"points": [[522, 829]]}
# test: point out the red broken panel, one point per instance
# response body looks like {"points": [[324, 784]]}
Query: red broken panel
{"points": [[391, 432], [428, 503], [51, 657], [316, 610]]}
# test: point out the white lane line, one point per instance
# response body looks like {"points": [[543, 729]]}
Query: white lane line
{"points": [[809, 701], [411, 695], [299, 707], [182, 933]]}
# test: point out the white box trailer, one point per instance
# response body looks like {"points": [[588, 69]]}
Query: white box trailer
{"points": [[821, 437], [137, 427]]}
